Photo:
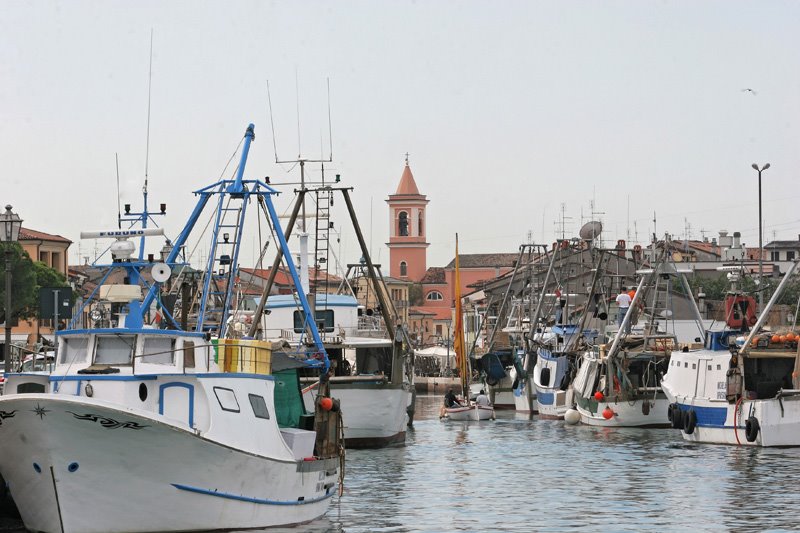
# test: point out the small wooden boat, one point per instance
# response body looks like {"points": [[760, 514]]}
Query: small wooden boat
{"points": [[473, 412]]}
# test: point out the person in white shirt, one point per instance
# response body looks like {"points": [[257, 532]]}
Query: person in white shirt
{"points": [[623, 302], [482, 399]]}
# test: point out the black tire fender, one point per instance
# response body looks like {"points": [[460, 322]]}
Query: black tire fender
{"points": [[751, 429], [689, 421]]}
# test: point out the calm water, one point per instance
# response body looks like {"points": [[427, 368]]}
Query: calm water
{"points": [[516, 474]]}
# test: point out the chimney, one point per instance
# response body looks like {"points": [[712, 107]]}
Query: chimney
{"points": [[736, 237], [725, 240]]}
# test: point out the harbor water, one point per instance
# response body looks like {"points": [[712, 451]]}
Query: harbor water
{"points": [[521, 474]]}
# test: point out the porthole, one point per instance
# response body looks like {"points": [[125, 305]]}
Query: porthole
{"points": [[142, 391]]}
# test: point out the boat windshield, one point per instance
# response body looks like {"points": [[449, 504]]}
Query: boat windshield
{"points": [[116, 350], [74, 350], [158, 350]]}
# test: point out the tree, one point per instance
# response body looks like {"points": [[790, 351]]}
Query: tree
{"points": [[27, 277], [415, 294], [23, 283]]}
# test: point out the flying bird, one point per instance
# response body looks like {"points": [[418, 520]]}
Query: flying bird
{"points": [[749, 91]]}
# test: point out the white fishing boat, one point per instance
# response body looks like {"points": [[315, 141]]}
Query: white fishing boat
{"points": [[372, 360], [209, 431], [620, 385], [742, 388], [372, 377]]}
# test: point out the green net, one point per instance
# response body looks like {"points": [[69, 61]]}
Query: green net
{"points": [[288, 399]]}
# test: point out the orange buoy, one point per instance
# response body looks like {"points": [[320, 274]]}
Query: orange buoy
{"points": [[782, 338], [776, 338], [608, 413], [791, 336], [755, 342], [599, 396], [326, 404]]}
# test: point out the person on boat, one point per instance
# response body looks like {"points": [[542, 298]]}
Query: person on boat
{"points": [[624, 302], [482, 399], [450, 400]]}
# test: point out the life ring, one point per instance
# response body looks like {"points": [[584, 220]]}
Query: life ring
{"points": [[689, 422], [751, 428], [677, 417]]}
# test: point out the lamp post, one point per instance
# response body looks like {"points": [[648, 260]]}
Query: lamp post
{"points": [[760, 246], [10, 224]]}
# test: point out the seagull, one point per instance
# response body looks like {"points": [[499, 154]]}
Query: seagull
{"points": [[749, 91]]}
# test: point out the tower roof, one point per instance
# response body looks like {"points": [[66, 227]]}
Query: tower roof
{"points": [[407, 184]]}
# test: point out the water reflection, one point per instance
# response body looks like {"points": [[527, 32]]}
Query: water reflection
{"points": [[522, 474]]}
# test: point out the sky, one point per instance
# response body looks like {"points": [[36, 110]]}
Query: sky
{"points": [[516, 114]]}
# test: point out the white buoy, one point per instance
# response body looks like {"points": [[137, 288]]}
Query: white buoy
{"points": [[572, 417]]}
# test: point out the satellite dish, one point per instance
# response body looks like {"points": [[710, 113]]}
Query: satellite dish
{"points": [[591, 230], [160, 272]]}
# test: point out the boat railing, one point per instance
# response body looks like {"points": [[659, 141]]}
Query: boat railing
{"points": [[248, 356]]}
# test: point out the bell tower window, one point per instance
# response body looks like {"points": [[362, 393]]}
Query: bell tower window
{"points": [[420, 232], [403, 268], [403, 224]]}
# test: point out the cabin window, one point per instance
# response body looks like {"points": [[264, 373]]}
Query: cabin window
{"points": [[719, 367], [158, 350], [74, 350], [790, 256], [403, 268], [259, 406], [685, 365], [434, 296], [188, 354], [227, 399], [403, 224], [117, 350], [694, 366], [324, 320]]}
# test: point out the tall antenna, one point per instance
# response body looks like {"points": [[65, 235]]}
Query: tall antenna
{"points": [[300, 159], [149, 92], [330, 129], [271, 123], [119, 210], [297, 99]]}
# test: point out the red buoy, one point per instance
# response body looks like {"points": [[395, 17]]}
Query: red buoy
{"points": [[608, 413], [326, 404], [599, 396]]}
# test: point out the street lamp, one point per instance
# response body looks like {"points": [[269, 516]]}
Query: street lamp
{"points": [[10, 224], [760, 246]]}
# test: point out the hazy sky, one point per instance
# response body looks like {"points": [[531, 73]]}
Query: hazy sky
{"points": [[508, 111]]}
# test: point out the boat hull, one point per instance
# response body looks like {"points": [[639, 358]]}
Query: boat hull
{"points": [[61, 480], [474, 413], [376, 412], [627, 413]]}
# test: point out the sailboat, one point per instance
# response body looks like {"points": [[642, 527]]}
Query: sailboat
{"points": [[472, 410], [210, 431]]}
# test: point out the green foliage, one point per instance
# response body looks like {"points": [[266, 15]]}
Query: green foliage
{"points": [[27, 277], [415, 294], [23, 282], [716, 288]]}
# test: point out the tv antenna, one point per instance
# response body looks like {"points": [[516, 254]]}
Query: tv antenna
{"points": [[300, 159]]}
